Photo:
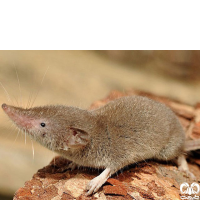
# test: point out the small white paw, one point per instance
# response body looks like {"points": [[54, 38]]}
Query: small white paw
{"points": [[189, 174], [94, 185]]}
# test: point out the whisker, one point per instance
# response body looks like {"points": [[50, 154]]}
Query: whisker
{"points": [[6, 92], [25, 137], [17, 136], [40, 86], [16, 101], [29, 100], [33, 149], [19, 87], [10, 131], [12, 125]]}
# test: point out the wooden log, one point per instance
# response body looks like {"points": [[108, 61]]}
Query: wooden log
{"points": [[145, 180]]}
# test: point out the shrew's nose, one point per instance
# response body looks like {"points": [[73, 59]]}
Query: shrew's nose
{"points": [[4, 106]]}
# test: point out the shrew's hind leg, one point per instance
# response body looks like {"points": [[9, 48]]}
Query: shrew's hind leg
{"points": [[183, 166], [170, 151]]}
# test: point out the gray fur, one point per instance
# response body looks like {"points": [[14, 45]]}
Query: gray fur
{"points": [[125, 131]]}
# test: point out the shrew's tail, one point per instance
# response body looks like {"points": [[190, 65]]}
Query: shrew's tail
{"points": [[191, 145]]}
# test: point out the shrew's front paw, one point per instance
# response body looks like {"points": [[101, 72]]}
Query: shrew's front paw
{"points": [[94, 185], [71, 166]]}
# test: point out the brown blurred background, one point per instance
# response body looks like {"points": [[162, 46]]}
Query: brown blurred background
{"points": [[78, 78]]}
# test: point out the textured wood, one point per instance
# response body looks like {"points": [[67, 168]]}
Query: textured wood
{"points": [[145, 180]]}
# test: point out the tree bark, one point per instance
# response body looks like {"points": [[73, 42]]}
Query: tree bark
{"points": [[145, 180]]}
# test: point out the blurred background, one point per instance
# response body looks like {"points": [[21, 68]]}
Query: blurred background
{"points": [[78, 78]]}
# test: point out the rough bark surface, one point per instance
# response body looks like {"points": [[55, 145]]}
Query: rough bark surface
{"points": [[145, 180]]}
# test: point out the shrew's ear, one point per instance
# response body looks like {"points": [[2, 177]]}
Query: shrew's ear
{"points": [[77, 138]]}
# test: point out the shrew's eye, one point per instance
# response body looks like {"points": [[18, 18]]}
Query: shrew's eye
{"points": [[42, 124]]}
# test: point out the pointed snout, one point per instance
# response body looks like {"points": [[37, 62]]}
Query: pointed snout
{"points": [[4, 106]]}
